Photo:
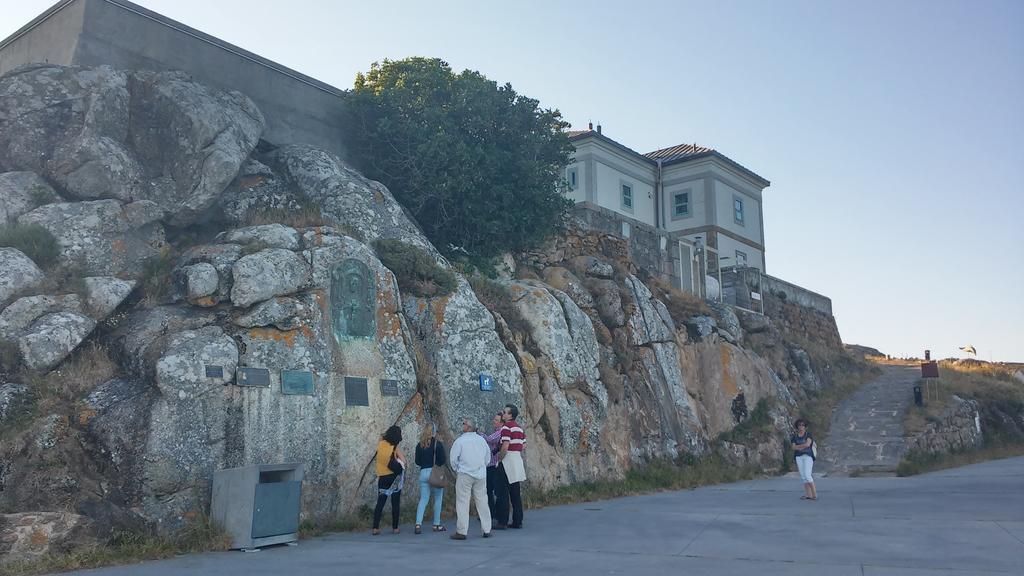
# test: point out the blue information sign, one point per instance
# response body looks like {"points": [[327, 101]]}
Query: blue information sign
{"points": [[486, 383]]}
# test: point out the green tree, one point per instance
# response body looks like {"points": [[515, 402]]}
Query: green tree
{"points": [[479, 166]]}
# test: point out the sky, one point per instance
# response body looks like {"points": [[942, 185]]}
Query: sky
{"points": [[892, 132]]}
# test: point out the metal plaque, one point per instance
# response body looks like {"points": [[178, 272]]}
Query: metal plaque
{"points": [[356, 392], [486, 383], [252, 377], [297, 382], [389, 387], [353, 300], [929, 369], [214, 371]]}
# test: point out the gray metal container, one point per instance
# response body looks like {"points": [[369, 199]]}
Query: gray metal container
{"points": [[258, 505]]}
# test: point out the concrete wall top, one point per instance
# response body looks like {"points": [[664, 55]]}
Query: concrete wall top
{"points": [[298, 108]]}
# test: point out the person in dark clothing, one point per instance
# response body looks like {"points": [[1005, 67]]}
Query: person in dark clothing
{"points": [[494, 443], [389, 482], [430, 452]]}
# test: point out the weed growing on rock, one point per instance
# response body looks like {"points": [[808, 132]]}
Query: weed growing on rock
{"points": [[33, 240], [416, 271], [156, 277]]}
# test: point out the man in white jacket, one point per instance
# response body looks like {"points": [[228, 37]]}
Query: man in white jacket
{"points": [[469, 457]]}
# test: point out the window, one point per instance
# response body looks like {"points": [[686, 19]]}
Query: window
{"points": [[681, 204], [741, 258], [571, 177], [737, 210], [627, 197]]}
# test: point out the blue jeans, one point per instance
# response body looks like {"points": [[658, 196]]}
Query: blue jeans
{"points": [[425, 490]]}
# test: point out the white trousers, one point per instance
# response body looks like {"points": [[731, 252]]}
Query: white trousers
{"points": [[466, 485], [806, 465]]}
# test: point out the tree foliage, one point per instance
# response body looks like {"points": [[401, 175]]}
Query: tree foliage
{"points": [[479, 166]]}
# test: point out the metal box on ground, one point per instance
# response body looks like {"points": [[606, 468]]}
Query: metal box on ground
{"points": [[258, 505]]}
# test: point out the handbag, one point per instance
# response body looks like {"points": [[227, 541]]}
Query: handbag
{"points": [[394, 464], [814, 449], [436, 478]]}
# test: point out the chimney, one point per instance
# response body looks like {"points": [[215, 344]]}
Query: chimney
{"points": [[590, 126], [599, 128]]}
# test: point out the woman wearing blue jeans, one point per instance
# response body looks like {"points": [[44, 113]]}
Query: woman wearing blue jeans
{"points": [[429, 453]]}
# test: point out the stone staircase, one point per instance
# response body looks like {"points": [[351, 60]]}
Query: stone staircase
{"points": [[867, 428]]}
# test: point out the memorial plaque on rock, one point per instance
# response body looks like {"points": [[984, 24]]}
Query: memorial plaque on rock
{"points": [[353, 301], [356, 392], [214, 371], [252, 377], [297, 383], [486, 383], [389, 387]]}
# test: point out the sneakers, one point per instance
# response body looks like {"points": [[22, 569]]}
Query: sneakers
{"points": [[487, 534], [458, 536]]}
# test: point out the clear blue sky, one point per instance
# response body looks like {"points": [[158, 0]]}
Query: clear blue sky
{"points": [[892, 132]]}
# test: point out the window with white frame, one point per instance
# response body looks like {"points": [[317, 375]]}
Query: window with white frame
{"points": [[681, 204], [737, 209], [741, 258], [572, 177], [627, 197]]}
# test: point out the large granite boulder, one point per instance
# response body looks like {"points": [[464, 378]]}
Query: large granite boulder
{"points": [[346, 196], [21, 192], [265, 236], [51, 338], [268, 273], [103, 294], [25, 536], [100, 133], [102, 237], [190, 139], [21, 313], [69, 125], [20, 274]]}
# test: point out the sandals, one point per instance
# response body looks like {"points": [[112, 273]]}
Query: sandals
{"points": [[375, 532], [417, 529], [440, 528]]}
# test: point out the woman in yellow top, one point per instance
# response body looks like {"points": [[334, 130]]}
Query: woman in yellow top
{"points": [[389, 481]]}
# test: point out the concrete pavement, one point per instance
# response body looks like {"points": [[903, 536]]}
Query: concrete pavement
{"points": [[960, 522]]}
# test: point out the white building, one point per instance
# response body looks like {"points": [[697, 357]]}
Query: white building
{"points": [[694, 194]]}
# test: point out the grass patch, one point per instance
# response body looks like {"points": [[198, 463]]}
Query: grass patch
{"points": [[681, 305], [757, 426], [496, 297], [1000, 400], [33, 240], [306, 216], [416, 271], [920, 462], [156, 277], [127, 548]]}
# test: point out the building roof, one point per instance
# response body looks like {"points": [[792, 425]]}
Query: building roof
{"points": [[672, 154], [677, 152]]}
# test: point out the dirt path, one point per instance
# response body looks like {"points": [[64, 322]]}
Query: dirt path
{"points": [[867, 428]]}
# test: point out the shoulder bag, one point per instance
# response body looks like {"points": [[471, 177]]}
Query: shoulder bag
{"points": [[436, 478]]}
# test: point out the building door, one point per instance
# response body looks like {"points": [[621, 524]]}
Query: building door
{"points": [[686, 262]]}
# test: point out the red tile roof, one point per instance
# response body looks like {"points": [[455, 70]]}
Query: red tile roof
{"points": [[678, 151]]}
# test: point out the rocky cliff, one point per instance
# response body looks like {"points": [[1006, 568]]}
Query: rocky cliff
{"points": [[187, 249]]}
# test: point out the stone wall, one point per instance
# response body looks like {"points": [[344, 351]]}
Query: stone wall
{"points": [[957, 428], [733, 279]]}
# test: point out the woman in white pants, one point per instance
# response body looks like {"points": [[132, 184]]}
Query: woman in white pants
{"points": [[803, 451]]}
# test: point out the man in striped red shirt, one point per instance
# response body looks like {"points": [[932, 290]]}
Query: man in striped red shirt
{"points": [[511, 471]]}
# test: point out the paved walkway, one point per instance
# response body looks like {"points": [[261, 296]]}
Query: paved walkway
{"points": [[962, 522], [867, 428]]}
